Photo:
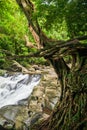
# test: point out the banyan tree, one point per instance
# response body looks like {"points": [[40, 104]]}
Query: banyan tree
{"points": [[71, 111]]}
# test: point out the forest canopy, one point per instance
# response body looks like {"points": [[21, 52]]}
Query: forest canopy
{"points": [[59, 19], [62, 16]]}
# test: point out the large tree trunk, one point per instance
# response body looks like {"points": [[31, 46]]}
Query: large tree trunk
{"points": [[71, 111]]}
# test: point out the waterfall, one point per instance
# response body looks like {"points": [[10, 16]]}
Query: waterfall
{"points": [[16, 88]]}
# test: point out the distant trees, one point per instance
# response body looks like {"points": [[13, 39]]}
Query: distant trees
{"points": [[13, 28]]}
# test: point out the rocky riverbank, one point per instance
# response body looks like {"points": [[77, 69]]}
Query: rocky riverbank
{"points": [[40, 103]]}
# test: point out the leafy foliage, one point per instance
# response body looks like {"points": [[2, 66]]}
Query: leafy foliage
{"points": [[13, 28], [13, 25], [67, 18], [59, 19]]}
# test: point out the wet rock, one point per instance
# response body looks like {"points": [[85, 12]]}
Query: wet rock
{"points": [[47, 92], [36, 67], [35, 118]]}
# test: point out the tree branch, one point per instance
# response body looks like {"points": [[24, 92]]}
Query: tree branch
{"points": [[55, 51]]}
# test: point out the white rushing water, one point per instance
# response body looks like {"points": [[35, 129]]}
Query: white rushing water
{"points": [[16, 88]]}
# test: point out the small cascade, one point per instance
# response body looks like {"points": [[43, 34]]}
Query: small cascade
{"points": [[16, 88]]}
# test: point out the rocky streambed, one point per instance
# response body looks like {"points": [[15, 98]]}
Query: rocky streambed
{"points": [[39, 105]]}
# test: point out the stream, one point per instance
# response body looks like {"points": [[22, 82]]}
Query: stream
{"points": [[15, 89]]}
